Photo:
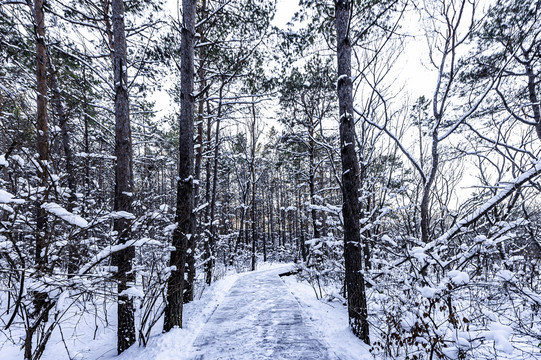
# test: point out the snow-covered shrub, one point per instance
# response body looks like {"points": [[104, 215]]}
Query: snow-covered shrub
{"points": [[457, 301]]}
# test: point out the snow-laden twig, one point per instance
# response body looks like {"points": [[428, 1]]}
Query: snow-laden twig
{"points": [[487, 206], [109, 250], [65, 215]]}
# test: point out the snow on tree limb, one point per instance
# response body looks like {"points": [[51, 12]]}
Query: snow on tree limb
{"points": [[487, 206], [7, 198], [110, 250], [65, 215]]}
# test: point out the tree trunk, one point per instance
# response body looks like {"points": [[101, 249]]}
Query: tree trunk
{"points": [[427, 189], [299, 225], [312, 180], [211, 260], [354, 278], [206, 226], [271, 217], [42, 128], [532, 95], [123, 181], [40, 298], [60, 114], [86, 143], [175, 283], [253, 179], [190, 257], [264, 227]]}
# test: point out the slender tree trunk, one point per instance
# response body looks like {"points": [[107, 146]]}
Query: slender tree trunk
{"points": [[532, 94], [206, 222], [86, 143], [271, 217], [60, 114], [284, 224], [290, 223], [427, 189], [264, 226], [123, 181], [299, 225], [312, 180], [175, 283], [324, 228], [253, 180], [40, 298], [354, 279], [42, 128], [241, 233], [212, 236]]}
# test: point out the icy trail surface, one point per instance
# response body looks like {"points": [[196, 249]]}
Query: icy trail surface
{"points": [[259, 319]]}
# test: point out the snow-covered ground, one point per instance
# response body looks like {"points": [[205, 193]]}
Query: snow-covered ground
{"points": [[329, 320], [90, 337], [275, 310], [259, 319], [178, 343]]}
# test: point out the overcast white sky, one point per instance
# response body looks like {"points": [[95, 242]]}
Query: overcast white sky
{"points": [[284, 12]]}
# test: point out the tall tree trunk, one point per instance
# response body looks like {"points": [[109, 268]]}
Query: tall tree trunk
{"points": [[40, 298], [123, 180], [354, 278], [241, 233], [264, 226], [206, 223], [312, 181], [271, 217], [42, 129], [299, 224], [283, 213], [190, 257], [86, 142], [60, 114], [253, 216], [212, 235], [253, 179], [185, 188]]}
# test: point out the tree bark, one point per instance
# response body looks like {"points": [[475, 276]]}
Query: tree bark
{"points": [[60, 114], [271, 217], [206, 223], [185, 188], [354, 278], [42, 129], [40, 311], [123, 180], [427, 189], [253, 180], [190, 258], [86, 135], [312, 149], [209, 265], [532, 95]]}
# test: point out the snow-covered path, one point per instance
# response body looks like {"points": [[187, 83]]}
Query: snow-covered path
{"points": [[259, 319]]}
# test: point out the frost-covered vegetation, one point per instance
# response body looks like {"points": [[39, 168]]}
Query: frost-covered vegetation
{"points": [[390, 148]]}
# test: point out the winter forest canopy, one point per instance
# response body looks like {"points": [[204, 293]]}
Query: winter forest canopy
{"points": [[391, 149]]}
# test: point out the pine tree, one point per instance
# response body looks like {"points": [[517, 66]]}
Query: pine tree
{"points": [[123, 181], [355, 286], [185, 188]]}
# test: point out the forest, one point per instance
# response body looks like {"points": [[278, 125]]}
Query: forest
{"points": [[388, 150]]}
